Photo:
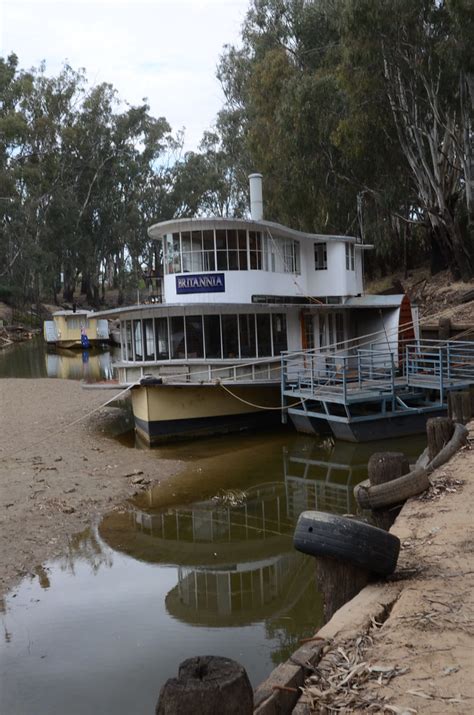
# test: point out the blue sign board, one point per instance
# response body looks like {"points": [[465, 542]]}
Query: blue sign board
{"points": [[200, 283]]}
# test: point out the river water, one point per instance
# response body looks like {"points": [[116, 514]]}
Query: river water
{"points": [[204, 566]]}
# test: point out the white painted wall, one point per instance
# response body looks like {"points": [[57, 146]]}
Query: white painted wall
{"points": [[240, 286]]}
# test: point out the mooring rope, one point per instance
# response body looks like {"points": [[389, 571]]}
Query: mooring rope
{"points": [[74, 422], [260, 407]]}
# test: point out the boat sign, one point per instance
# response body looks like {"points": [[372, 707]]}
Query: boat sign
{"points": [[201, 283]]}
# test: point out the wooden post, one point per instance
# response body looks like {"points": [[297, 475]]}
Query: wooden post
{"points": [[207, 685], [439, 431], [444, 328], [383, 467], [338, 582], [459, 406]]}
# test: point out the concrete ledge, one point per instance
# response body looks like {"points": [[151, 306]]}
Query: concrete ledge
{"points": [[280, 692]]}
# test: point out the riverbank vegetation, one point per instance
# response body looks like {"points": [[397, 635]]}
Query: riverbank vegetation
{"points": [[359, 114]]}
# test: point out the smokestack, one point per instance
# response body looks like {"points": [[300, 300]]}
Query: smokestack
{"points": [[256, 200]]}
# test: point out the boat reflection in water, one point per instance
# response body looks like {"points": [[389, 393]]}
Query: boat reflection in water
{"points": [[89, 365], [234, 555], [322, 476]]}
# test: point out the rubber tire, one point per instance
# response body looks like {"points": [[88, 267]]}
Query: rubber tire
{"points": [[320, 534], [392, 493]]}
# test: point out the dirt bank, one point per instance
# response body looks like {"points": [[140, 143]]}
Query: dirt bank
{"points": [[405, 644], [57, 473]]}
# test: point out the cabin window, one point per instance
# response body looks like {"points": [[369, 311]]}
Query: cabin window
{"points": [[212, 336], [290, 255], [340, 331], [149, 341], [308, 332], [279, 333], [247, 335], [138, 339], [320, 257], [230, 336], [178, 341], [161, 332], [128, 340], [194, 339], [264, 335], [322, 330], [350, 257]]}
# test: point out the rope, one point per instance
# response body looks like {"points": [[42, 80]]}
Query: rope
{"points": [[260, 407], [282, 257], [360, 341]]}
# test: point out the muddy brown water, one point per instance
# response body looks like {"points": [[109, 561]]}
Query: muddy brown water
{"points": [[202, 566]]}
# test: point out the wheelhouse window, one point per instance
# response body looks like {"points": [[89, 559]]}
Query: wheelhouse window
{"points": [[255, 250], [320, 257], [350, 257], [229, 250]]}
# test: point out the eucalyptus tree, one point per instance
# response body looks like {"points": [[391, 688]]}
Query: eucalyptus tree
{"points": [[34, 108], [358, 114], [415, 55], [213, 180], [283, 85]]}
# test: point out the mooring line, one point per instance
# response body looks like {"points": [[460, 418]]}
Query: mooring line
{"points": [[71, 424]]}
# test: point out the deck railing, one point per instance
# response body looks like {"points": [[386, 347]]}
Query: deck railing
{"points": [[435, 364], [320, 372]]}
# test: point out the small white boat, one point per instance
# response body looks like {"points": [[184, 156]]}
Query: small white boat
{"points": [[236, 293], [76, 329]]}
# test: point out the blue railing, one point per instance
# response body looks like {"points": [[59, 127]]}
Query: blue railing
{"points": [[432, 363]]}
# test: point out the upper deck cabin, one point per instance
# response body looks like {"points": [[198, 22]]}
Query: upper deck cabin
{"points": [[218, 260]]}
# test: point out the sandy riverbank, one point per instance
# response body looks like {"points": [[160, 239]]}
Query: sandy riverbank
{"points": [[58, 473]]}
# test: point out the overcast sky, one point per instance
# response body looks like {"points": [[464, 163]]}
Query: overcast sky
{"points": [[165, 50]]}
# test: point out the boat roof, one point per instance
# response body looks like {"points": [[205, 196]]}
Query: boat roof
{"points": [[158, 230], [375, 301], [89, 313], [143, 310]]}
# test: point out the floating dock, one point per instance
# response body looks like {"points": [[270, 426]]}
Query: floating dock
{"points": [[373, 393]]}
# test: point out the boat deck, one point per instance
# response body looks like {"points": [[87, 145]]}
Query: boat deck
{"points": [[371, 385]]}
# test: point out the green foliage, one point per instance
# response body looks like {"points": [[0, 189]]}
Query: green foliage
{"points": [[79, 181], [368, 108]]}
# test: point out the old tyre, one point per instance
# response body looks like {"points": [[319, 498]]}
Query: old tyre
{"points": [[320, 534]]}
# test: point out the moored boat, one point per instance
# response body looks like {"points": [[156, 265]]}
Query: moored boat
{"points": [[75, 329], [236, 294]]}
